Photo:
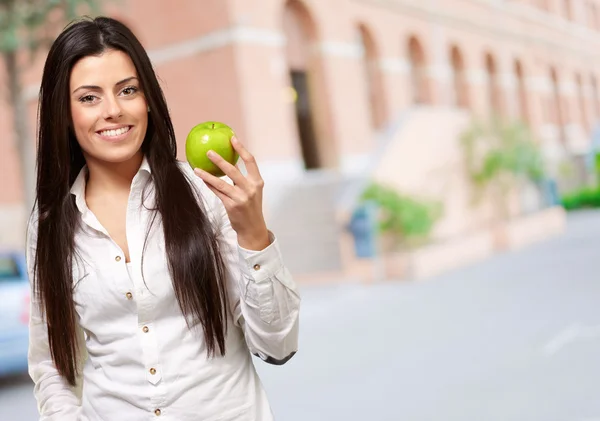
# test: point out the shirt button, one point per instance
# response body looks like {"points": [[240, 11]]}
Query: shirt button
{"points": [[129, 295], [145, 329], [153, 371], [118, 258], [157, 412], [257, 267]]}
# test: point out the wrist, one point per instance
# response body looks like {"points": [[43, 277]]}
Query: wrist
{"points": [[255, 241]]}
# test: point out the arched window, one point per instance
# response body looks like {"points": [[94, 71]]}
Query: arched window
{"points": [[522, 108], [418, 72], [558, 118], [460, 87], [581, 102], [373, 78], [300, 35], [492, 86]]}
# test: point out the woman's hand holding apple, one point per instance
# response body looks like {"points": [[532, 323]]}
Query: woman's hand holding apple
{"points": [[243, 199]]}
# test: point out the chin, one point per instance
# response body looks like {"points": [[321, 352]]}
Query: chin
{"points": [[115, 156]]}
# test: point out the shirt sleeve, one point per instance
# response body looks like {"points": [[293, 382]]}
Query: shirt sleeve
{"points": [[264, 298], [57, 400]]}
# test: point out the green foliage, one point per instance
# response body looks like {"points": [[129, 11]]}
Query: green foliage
{"points": [[597, 167], [402, 216], [586, 197], [498, 155], [497, 149], [33, 23]]}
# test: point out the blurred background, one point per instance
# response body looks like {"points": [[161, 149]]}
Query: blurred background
{"points": [[432, 174]]}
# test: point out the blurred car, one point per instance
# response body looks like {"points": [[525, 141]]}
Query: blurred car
{"points": [[14, 313]]}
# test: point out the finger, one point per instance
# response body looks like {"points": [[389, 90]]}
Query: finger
{"points": [[247, 157], [216, 182], [230, 171], [222, 196]]}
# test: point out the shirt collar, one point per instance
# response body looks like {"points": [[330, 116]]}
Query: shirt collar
{"points": [[78, 187]]}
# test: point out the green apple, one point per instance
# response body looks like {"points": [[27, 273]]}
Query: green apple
{"points": [[207, 136]]}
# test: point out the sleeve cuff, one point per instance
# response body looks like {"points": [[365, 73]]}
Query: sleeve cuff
{"points": [[264, 264]]}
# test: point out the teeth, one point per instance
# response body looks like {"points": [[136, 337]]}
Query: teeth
{"points": [[117, 132]]}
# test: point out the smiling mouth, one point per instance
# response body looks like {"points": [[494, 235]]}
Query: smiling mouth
{"points": [[114, 133]]}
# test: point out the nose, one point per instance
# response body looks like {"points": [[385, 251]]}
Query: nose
{"points": [[112, 109]]}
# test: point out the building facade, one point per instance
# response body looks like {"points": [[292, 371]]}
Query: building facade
{"points": [[309, 85]]}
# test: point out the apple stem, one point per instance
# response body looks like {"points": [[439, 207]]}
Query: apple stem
{"points": [[213, 126]]}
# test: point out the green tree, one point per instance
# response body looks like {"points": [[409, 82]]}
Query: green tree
{"points": [[26, 27], [499, 156], [407, 219]]}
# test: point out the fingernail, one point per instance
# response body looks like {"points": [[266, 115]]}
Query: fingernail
{"points": [[210, 154], [199, 171], [234, 139]]}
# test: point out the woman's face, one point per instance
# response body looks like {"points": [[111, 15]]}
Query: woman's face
{"points": [[108, 109]]}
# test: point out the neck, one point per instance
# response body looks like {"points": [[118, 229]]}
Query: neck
{"points": [[112, 177]]}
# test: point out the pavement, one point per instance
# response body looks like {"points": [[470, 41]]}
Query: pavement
{"points": [[512, 338]]}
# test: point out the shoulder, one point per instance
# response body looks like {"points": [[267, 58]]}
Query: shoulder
{"points": [[202, 191], [31, 235], [209, 199], [185, 168], [194, 180], [197, 182], [32, 226]]}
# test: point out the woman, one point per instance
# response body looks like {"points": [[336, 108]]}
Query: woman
{"points": [[152, 283]]}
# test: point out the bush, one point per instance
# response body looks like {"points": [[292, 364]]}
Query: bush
{"points": [[404, 217], [586, 197], [499, 156]]}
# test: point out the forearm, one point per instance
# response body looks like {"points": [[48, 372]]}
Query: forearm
{"points": [[56, 398], [269, 305]]}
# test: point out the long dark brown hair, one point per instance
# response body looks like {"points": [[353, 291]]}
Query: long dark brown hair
{"points": [[195, 262]]}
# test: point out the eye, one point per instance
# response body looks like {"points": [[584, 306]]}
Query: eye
{"points": [[87, 98], [130, 90]]}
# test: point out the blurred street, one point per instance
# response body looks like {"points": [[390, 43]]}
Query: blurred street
{"points": [[516, 337]]}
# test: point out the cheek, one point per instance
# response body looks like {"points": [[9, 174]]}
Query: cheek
{"points": [[140, 111], [83, 121]]}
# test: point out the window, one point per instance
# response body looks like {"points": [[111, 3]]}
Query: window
{"points": [[460, 85], [418, 72], [493, 90], [521, 102], [581, 101], [568, 12], [593, 16]]}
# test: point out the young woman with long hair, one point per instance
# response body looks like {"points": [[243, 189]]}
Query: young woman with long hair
{"points": [[152, 283]]}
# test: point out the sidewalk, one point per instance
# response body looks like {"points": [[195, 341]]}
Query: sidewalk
{"points": [[481, 343]]}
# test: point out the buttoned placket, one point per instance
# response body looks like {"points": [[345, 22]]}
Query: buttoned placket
{"points": [[141, 303], [136, 220]]}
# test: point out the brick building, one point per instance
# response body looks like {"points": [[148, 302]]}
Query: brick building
{"points": [[314, 88]]}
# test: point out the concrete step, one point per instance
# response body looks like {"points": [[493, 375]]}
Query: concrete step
{"points": [[305, 223]]}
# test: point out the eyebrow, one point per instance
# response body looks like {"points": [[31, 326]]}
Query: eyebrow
{"points": [[94, 87]]}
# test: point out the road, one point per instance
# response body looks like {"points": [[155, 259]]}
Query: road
{"points": [[513, 338]]}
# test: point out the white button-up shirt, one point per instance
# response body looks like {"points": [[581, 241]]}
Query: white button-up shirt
{"points": [[141, 361]]}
